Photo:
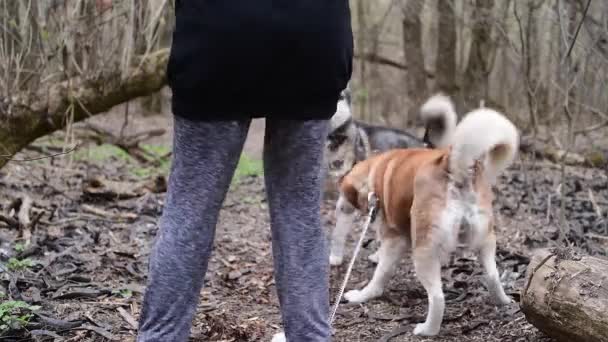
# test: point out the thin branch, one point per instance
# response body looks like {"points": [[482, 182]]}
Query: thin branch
{"points": [[592, 128], [10, 158], [378, 59], [591, 109], [578, 29]]}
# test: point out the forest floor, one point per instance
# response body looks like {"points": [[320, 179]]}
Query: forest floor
{"points": [[93, 219]]}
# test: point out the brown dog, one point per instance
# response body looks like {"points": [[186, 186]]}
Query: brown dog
{"points": [[439, 118], [425, 196]]}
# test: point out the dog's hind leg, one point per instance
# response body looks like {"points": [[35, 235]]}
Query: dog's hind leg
{"points": [[391, 251], [345, 219], [428, 270], [487, 257]]}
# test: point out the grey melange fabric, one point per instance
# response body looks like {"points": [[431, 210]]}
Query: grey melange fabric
{"points": [[205, 155]]}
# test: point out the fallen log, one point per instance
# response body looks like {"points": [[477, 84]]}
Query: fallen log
{"points": [[26, 117], [557, 155], [566, 296]]}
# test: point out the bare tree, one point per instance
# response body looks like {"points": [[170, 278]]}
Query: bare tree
{"points": [[154, 24], [416, 87], [62, 61], [506, 53], [446, 51], [481, 55], [362, 31], [48, 44], [530, 71]]}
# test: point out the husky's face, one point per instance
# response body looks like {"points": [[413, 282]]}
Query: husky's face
{"points": [[340, 144]]}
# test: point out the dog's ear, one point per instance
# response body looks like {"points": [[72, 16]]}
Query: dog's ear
{"points": [[433, 128], [347, 94], [426, 139]]}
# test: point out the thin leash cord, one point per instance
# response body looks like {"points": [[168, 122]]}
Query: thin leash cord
{"points": [[372, 201]]}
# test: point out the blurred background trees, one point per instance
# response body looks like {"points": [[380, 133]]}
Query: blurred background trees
{"points": [[536, 60], [519, 56]]}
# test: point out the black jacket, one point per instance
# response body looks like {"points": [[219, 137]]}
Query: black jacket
{"points": [[237, 59]]}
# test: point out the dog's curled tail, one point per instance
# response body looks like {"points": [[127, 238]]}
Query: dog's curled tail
{"points": [[487, 136], [439, 118]]}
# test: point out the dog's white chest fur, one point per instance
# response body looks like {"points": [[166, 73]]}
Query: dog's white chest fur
{"points": [[463, 220]]}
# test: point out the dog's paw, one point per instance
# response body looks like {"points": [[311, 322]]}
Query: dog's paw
{"points": [[503, 300], [335, 260], [280, 337], [374, 257], [360, 296], [355, 296], [423, 329]]}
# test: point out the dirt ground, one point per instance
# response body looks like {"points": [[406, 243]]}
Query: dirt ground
{"points": [[95, 213]]}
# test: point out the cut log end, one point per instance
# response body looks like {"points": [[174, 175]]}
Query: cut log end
{"points": [[566, 296]]}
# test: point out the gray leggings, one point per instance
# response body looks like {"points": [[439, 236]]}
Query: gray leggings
{"points": [[205, 155]]}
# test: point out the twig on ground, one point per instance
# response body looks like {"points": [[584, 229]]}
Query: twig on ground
{"points": [[108, 214], [50, 185], [597, 237], [83, 293], [24, 211], [23, 216], [47, 333], [10, 158], [100, 331], [128, 317], [473, 326], [56, 256], [400, 330], [596, 207], [394, 318], [11, 222], [57, 324]]}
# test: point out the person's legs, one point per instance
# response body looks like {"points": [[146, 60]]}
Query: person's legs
{"points": [[292, 168], [205, 155]]}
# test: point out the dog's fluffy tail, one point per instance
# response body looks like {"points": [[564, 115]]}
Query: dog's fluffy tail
{"points": [[439, 118], [483, 135]]}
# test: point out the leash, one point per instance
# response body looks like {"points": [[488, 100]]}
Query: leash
{"points": [[372, 205]]}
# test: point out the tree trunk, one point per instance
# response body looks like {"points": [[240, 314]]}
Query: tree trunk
{"points": [[481, 56], [152, 104], [446, 51], [24, 120], [362, 48], [566, 296], [416, 86], [9, 39]]}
